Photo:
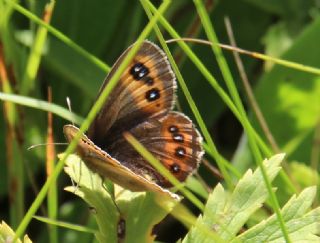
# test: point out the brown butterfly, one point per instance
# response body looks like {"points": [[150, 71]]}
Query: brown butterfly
{"points": [[141, 103]]}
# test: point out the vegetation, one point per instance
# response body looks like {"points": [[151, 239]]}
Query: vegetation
{"points": [[259, 116]]}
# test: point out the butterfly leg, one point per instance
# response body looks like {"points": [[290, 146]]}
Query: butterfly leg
{"points": [[75, 184], [110, 191]]}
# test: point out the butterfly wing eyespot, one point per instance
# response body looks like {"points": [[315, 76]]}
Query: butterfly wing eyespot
{"points": [[175, 168], [180, 152], [152, 94], [138, 71]]}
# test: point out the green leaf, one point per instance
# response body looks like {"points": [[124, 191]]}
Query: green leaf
{"points": [[86, 25], [295, 11], [90, 189], [74, 68], [91, 25], [277, 40], [7, 234], [289, 99], [138, 211], [226, 213], [273, 6], [303, 174], [302, 226], [142, 212], [41, 105]]}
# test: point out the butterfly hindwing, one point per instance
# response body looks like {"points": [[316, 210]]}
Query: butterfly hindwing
{"points": [[172, 139]]}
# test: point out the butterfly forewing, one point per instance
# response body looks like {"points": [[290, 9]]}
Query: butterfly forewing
{"points": [[145, 89]]}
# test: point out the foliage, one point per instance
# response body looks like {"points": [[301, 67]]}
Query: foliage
{"points": [[124, 206], [227, 213], [72, 51], [7, 234]]}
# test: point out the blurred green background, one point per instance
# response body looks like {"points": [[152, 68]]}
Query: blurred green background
{"points": [[289, 99]]}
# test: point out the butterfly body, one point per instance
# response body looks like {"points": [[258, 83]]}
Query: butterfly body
{"points": [[141, 104]]}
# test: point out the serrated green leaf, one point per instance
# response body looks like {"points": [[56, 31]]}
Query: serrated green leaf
{"points": [[227, 213], [198, 233], [90, 189], [7, 234], [301, 227], [140, 211]]}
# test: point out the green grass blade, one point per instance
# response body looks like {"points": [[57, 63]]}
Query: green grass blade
{"points": [[67, 225], [34, 59], [42, 105]]}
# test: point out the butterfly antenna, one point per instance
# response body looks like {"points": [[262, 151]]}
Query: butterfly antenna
{"points": [[44, 144], [74, 185], [69, 106]]}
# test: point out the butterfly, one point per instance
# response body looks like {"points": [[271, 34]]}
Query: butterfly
{"points": [[141, 103]]}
